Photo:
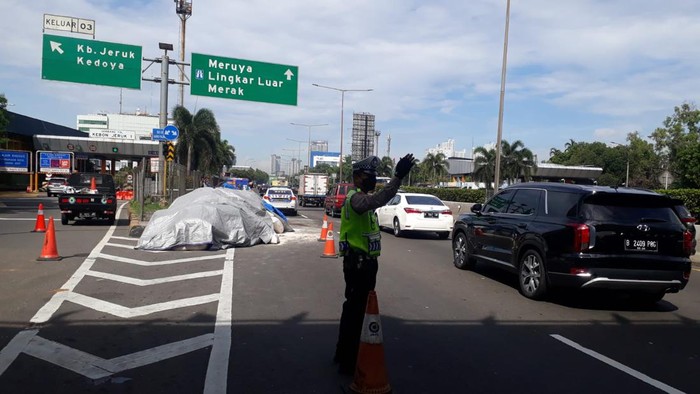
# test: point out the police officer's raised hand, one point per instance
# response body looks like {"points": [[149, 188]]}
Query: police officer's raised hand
{"points": [[403, 167]]}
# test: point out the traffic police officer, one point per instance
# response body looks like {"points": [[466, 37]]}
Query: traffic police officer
{"points": [[360, 245]]}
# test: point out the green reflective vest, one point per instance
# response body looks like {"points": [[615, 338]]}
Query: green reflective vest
{"points": [[358, 232]]}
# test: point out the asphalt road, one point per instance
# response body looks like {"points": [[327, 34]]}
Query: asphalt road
{"points": [[263, 319]]}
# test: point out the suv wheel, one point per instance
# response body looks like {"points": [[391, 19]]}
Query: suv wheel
{"points": [[532, 278], [397, 228], [462, 259]]}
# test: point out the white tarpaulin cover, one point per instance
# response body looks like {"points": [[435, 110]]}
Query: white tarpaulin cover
{"points": [[221, 218]]}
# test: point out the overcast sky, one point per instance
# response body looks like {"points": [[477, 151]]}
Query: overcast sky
{"points": [[588, 70]]}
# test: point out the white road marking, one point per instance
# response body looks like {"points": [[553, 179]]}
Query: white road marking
{"points": [[644, 378], [14, 348], [120, 245], [149, 282], [95, 367], [217, 371], [17, 219], [45, 313], [127, 313], [155, 263], [126, 238]]}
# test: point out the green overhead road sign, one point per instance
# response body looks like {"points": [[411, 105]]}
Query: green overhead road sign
{"points": [[223, 77], [87, 61]]}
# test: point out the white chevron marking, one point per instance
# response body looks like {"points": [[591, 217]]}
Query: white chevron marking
{"points": [[95, 367], [149, 282], [127, 313], [46, 311], [16, 346], [120, 245], [126, 238], [156, 263]]}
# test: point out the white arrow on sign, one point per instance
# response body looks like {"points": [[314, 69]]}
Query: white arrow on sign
{"points": [[289, 74], [56, 47]]}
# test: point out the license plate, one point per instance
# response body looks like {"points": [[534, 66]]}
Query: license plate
{"points": [[642, 245], [430, 214]]}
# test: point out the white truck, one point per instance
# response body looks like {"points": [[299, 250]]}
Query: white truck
{"points": [[312, 189]]}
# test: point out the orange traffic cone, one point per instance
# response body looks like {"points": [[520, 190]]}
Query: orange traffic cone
{"points": [[370, 371], [324, 228], [49, 252], [93, 185], [40, 226], [329, 249]]}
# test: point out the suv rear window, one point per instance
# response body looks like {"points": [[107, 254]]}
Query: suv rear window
{"points": [[628, 209], [279, 191]]}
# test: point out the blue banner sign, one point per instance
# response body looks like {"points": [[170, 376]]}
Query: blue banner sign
{"points": [[55, 162], [14, 161]]}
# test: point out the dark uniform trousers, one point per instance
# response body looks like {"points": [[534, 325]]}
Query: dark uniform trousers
{"points": [[360, 273]]}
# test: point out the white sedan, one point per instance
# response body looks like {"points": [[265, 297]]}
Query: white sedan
{"points": [[416, 212], [282, 198]]}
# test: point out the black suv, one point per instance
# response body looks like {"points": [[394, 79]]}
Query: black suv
{"points": [[578, 236]]}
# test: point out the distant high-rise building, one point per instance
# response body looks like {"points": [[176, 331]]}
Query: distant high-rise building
{"points": [[275, 165], [448, 149], [363, 135], [319, 146]]}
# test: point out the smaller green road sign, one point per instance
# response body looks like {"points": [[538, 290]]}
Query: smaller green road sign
{"points": [[94, 62], [238, 79]]}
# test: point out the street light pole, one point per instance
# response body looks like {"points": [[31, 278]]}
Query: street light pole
{"points": [[308, 147], [497, 170], [342, 104]]}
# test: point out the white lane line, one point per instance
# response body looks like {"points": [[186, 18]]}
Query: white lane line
{"points": [[10, 219], [14, 348], [127, 313], [149, 282], [217, 370], [644, 378], [45, 313], [155, 263]]}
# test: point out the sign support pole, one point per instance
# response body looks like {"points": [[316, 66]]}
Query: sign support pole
{"points": [[163, 118]]}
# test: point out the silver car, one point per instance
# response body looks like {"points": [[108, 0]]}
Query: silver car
{"points": [[56, 186]]}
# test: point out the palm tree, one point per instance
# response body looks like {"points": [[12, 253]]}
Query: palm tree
{"points": [[386, 167], [484, 166], [516, 161], [225, 155], [200, 131], [436, 166]]}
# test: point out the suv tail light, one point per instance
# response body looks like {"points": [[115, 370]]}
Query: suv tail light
{"points": [[294, 198], [582, 237], [447, 212], [266, 198], [689, 220], [412, 210], [687, 242]]}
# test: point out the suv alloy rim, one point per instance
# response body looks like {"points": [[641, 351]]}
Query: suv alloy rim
{"points": [[460, 250], [530, 274]]}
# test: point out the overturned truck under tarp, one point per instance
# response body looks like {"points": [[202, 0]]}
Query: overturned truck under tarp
{"points": [[208, 218]]}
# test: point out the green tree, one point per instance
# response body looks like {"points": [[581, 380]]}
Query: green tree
{"points": [[675, 141], [386, 167], [199, 130], [435, 167], [4, 120], [516, 161], [484, 166]]}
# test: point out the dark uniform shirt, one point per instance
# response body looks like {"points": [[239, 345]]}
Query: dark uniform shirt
{"points": [[363, 202]]}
